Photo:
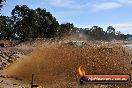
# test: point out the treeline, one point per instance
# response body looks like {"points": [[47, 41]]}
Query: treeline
{"points": [[26, 23], [1, 3], [97, 33]]}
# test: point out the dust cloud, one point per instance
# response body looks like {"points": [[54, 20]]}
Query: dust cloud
{"points": [[59, 62]]}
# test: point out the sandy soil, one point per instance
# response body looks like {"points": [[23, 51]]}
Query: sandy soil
{"points": [[56, 66]]}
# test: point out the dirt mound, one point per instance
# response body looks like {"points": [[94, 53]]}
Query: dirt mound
{"points": [[9, 55], [60, 62]]}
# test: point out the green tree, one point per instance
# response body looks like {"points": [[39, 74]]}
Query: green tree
{"points": [[1, 4], [97, 33], [120, 36], [5, 32], [29, 23], [110, 32], [65, 29], [21, 20]]}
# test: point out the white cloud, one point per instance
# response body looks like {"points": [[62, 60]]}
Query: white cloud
{"points": [[125, 1], [68, 4], [69, 13], [59, 3], [36, 5], [105, 6], [76, 5], [125, 28], [70, 7]]}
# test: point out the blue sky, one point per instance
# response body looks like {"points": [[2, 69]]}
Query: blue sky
{"points": [[84, 13]]}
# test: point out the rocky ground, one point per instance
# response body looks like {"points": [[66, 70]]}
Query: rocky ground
{"points": [[55, 65], [9, 55]]}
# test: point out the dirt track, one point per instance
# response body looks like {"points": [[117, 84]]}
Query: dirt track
{"points": [[56, 66]]}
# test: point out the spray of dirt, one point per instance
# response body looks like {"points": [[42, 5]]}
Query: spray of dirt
{"points": [[60, 62]]}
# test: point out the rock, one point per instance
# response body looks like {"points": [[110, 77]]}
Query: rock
{"points": [[1, 55], [10, 60], [1, 68], [14, 84], [2, 45], [1, 81], [4, 64], [8, 56], [0, 60]]}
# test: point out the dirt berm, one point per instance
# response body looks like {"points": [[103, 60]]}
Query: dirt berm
{"points": [[58, 63]]}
